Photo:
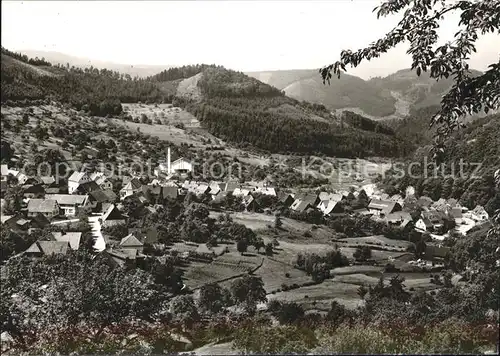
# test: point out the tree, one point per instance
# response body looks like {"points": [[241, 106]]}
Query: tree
{"points": [[211, 298], [418, 26], [249, 290], [269, 249], [184, 309], [242, 245], [362, 253]]}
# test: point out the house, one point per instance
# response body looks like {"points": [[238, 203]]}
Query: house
{"points": [[19, 176], [286, 199], [116, 257], [383, 207], [398, 218], [48, 180], [87, 187], [73, 238], [455, 214], [230, 186], [181, 166], [41, 248], [425, 202], [69, 203], [214, 189], [76, 179], [15, 222], [101, 180], [301, 205], [130, 188], [33, 191], [431, 221], [47, 207], [102, 196], [111, 216], [330, 196], [331, 207], [4, 172], [131, 242], [266, 191], [250, 203], [478, 214], [361, 211], [150, 236], [241, 192]]}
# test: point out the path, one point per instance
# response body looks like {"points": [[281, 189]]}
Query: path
{"points": [[100, 243]]}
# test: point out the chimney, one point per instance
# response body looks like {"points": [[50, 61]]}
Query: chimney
{"points": [[168, 160]]}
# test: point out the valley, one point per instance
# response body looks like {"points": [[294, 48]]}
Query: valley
{"points": [[119, 198]]}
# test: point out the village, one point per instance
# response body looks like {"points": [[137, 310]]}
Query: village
{"points": [[90, 196]]}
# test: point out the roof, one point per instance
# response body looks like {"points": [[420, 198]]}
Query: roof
{"points": [[48, 180], [329, 206], [102, 196], [49, 247], [170, 192], [180, 163], [231, 186], [130, 240], [330, 196], [456, 213], [42, 205], [72, 237], [426, 222], [32, 188], [88, 187], [386, 206], [67, 199], [302, 206], [134, 184], [54, 190], [76, 177], [266, 191], [434, 216], [398, 216], [425, 201]]}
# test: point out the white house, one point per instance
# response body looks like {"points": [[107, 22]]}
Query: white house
{"points": [[266, 191], [130, 188], [179, 166], [21, 177], [48, 207], [69, 203], [76, 179], [478, 214], [101, 180]]}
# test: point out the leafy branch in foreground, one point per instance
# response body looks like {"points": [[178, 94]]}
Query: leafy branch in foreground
{"points": [[421, 19]]}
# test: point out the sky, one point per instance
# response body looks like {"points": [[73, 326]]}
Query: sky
{"points": [[241, 35]]}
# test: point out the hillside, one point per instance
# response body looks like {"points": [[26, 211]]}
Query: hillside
{"points": [[243, 110], [347, 92], [140, 70], [391, 97], [470, 161]]}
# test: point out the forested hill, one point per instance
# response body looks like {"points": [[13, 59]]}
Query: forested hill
{"points": [[478, 147], [247, 112], [99, 91], [231, 105]]}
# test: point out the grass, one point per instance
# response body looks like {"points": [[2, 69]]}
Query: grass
{"points": [[274, 274]]}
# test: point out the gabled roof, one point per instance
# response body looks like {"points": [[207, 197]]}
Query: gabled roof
{"points": [[42, 205], [231, 186], [134, 184], [302, 206], [48, 180], [32, 188], [88, 187], [386, 206], [130, 240], [76, 177], [67, 199], [398, 216], [49, 247], [102, 196], [434, 216], [73, 238], [330, 206], [54, 190]]}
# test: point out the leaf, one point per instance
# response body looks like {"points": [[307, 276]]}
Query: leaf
{"points": [[419, 71]]}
